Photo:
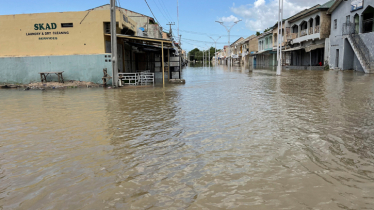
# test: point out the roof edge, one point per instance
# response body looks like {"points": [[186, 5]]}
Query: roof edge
{"points": [[334, 6]]}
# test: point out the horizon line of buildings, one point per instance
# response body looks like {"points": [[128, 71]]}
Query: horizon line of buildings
{"points": [[336, 35]]}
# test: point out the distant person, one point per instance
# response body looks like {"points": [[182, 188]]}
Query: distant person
{"points": [[320, 63]]}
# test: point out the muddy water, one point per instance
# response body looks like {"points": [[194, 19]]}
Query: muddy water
{"points": [[228, 139]]}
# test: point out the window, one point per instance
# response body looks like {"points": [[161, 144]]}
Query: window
{"points": [[348, 19], [107, 28], [335, 24], [66, 25]]}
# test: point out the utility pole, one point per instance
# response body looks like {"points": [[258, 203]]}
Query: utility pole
{"points": [[113, 36], [178, 19], [203, 57], [228, 28], [170, 31], [280, 34], [215, 49]]}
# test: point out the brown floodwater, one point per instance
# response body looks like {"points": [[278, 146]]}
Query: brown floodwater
{"points": [[227, 139]]}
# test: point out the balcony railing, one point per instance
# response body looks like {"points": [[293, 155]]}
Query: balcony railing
{"points": [[316, 29], [311, 30], [292, 36], [303, 32], [348, 28]]}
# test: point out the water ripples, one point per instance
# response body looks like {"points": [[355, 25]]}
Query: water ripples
{"points": [[228, 139]]}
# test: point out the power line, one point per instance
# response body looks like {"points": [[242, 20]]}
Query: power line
{"points": [[166, 9], [151, 11], [161, 11], [203, 41], [200, 33]]}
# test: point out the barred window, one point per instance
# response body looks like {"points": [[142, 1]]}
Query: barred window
{"points": [[335, 24]]}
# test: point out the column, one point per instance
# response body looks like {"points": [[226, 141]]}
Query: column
{"points": [[162, 63]]}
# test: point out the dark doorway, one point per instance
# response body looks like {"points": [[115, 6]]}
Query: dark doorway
{"points": [[368, 20]]}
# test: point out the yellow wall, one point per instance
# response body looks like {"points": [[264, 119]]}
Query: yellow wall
{"points": [[85, 37]]}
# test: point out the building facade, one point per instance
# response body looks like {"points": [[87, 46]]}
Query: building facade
{"points": [[145, 26], [73, 42], [352, 35], [265, 57], [308, 37]]}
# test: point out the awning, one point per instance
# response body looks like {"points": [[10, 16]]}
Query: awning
{"points": [[293, 49], [313, 47]]}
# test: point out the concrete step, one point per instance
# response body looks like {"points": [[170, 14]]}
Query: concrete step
{"points": [[359, 56], [370, 71]]}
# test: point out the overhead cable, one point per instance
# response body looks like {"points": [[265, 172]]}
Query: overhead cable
{"points": [[152, 12], [200, 33]]}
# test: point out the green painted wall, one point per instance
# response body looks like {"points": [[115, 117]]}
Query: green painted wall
{"points": [[76, 67]]}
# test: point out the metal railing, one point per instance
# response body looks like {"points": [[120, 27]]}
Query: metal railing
{"points": [[128, 79], [139, 78], [348, 28], [146, 78]]}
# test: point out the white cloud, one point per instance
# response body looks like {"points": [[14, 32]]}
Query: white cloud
{"points": [[263, 14], [259, 3], [230, 18]]}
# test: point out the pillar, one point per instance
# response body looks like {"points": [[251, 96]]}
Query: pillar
{"points": [[162, 63]]}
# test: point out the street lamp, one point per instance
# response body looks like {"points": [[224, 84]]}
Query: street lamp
{"points": [[228, 28], [215, 48], [280, 34]]}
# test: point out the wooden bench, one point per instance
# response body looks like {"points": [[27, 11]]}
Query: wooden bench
{"points": [[43, 76]]}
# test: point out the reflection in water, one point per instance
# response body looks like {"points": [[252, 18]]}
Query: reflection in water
{"points": [[229, 138]]}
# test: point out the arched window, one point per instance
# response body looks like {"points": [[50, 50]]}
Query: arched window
{"points": [[304, 28], [295, 31], [357, 23], [311, 25], [318, 20]]}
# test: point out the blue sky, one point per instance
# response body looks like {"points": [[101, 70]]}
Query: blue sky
{"points": [[196, 17]]}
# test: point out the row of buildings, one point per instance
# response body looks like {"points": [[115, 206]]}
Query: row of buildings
{"points": [[336, 35], [79, 44]]}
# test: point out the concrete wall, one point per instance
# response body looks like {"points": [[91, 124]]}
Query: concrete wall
{"points": [[325, 25], [368, 39], [140, 20], [76, 67], [253, 45], [336, 37], [348, 54]]}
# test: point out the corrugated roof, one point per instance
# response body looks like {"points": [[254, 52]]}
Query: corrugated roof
{"points": [[327, 5], [333, 6]]}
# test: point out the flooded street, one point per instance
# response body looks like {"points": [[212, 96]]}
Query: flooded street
{"points": [[227, 139]]}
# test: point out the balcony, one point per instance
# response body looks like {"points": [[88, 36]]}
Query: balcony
{"points": [[292, 36], [303, 32]]}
